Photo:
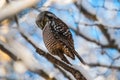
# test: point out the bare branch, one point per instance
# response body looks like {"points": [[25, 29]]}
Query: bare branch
{"points": [[56, 62], [83, 36], [8, 52], [15, 7], [103, 65], [65, 74], [103, 29], [40, 72], [44, 75]]}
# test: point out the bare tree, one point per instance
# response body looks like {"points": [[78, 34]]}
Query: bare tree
{"points": [[95, 29]]}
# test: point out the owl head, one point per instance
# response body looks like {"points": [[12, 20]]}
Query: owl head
{"points": [[43, 18]]}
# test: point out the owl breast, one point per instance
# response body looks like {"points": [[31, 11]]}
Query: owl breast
{"points": [[50, 41]]}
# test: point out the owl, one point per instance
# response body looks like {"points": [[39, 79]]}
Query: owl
{"points": [[57, 36]]}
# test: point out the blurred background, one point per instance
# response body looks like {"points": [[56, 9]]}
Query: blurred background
{"points": [[95, 27]]}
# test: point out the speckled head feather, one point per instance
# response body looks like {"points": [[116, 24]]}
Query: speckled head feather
{"points": [[43, 18]]}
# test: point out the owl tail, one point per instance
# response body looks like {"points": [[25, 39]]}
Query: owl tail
{"points": [[62, 56], [80, 58]]}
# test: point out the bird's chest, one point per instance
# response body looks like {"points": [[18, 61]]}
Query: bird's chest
{"points": [[49, 39]]}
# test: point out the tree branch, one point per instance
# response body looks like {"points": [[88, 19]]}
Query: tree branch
{"points": [[57, 62], [15, 7], [12, 56], [111, 43], [103, 65], [44, 75], [8, 52]]}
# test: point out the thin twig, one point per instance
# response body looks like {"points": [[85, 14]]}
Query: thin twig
{"points": [[103, 65]]}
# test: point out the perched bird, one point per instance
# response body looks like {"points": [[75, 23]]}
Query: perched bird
{"points": [[57, 36]]}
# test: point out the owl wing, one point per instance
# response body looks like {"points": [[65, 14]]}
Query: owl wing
{"points": [[62, 33]]}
